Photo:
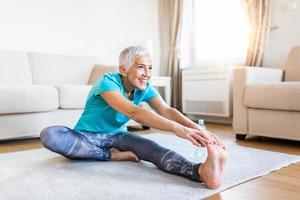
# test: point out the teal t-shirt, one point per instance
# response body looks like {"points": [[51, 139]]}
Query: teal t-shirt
{"points": [[98, 116]]}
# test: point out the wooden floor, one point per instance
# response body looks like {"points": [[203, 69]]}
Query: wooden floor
{"points": [[281, 184]]}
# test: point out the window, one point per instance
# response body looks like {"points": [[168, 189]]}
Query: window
{"points": [[221, 32]]}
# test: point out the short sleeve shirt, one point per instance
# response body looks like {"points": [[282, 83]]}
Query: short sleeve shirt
{"points": [[98, 116]]}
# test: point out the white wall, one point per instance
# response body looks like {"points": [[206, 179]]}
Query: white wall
{"points": [[287, 35], [99, 28]]}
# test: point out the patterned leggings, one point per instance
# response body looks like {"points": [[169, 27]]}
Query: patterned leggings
{"points": [[83, 145]]}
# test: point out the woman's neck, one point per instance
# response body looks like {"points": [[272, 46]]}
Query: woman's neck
{"points": [[127, 86]]}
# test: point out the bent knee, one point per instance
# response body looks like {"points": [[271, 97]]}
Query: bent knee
{"points": [[51, 135]]}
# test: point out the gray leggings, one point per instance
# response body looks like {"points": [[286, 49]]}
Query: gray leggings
{"points": [[83, 145]]}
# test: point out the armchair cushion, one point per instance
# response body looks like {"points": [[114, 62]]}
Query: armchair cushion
{"points": [[277, 96], [27, 99]]}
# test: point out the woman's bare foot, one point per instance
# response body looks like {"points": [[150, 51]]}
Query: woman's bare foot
{"points": [[117, 155], [211, 171]]}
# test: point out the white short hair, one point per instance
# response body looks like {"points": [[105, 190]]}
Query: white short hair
{"points": [[128, 54]]}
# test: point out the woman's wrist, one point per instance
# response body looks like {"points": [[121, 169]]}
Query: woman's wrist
{"points": [[193, 125], [176, 127]]}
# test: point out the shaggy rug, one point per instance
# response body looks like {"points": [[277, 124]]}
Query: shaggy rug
{"points": [[41, 174]]}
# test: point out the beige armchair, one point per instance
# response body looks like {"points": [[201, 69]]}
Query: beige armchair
{"points": [[266, 101]]}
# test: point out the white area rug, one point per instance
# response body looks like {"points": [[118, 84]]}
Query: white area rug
{"points": [[41, 174]]}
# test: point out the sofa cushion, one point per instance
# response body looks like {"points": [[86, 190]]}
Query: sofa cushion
{"points": [[14, 68], [280, 96], [27, 99], [57, 70], [73, 96]]}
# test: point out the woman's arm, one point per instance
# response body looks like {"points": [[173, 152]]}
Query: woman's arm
{"points": [[159, 105], [144, 116]]}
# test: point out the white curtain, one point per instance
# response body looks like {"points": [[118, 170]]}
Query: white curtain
{"points": [[172, 26], [258, 13]]}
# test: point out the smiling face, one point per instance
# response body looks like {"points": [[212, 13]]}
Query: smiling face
{"points": [[138, 73]]}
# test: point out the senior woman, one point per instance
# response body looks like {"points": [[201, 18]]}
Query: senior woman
{"points": [[101, 133]]}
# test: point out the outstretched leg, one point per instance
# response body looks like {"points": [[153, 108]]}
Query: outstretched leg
{"points": [[163, 158]]}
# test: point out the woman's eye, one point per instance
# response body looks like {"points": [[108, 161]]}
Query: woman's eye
{"points": [[150, 68]]}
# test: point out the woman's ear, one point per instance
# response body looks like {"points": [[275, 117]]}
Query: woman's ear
{"points": [[122, 70]]}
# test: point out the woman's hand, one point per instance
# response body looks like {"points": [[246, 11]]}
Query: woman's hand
{"points": [[213, 137], [197, 137], [208, 134]]}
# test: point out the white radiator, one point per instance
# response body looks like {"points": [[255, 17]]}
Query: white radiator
{"points": [[207, 91]]}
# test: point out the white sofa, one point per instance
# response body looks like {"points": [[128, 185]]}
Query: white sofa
{"points": [[39, 90]]}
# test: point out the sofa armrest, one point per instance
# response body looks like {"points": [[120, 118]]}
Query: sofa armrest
{"points": [[243, 76]]}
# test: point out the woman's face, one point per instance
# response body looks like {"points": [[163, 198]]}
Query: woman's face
{"points": [[139, 72]]}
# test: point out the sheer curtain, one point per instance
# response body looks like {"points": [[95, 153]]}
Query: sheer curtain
{"points": [[258, 13], [171, 25]]}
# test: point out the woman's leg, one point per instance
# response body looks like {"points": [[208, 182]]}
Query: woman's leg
{"points": [[74, 145], [163, 158]]}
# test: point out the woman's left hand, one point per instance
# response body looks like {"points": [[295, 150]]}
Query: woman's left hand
{"points": [[213, 137], [195, 136]]}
